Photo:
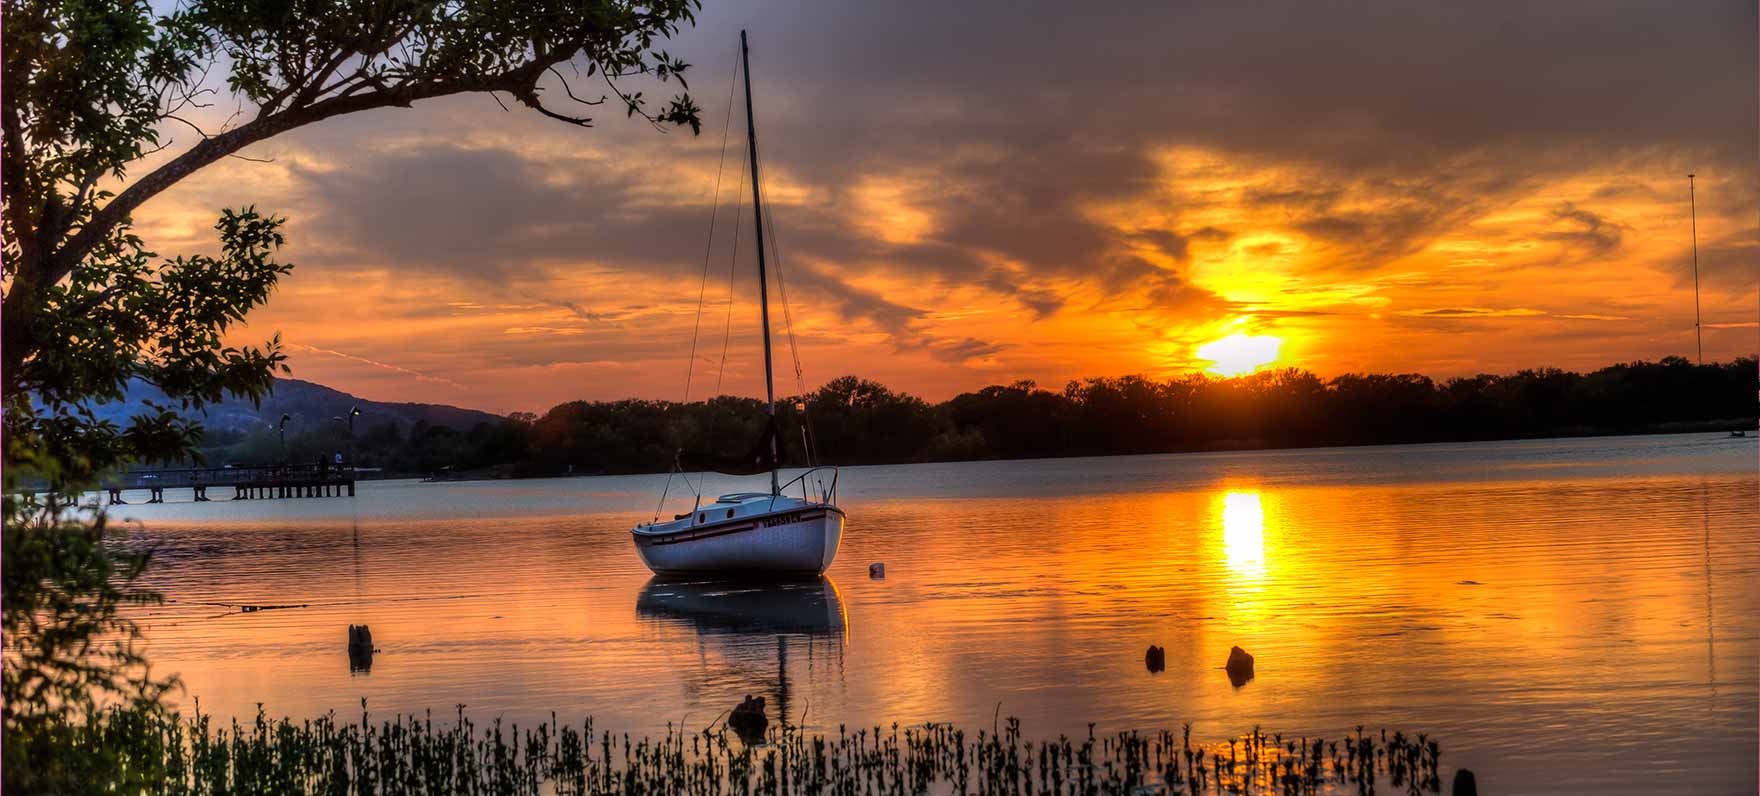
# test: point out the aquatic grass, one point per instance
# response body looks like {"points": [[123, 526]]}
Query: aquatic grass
{"points": [[411, 756]]}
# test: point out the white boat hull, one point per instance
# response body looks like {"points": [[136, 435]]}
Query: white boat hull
{"points": [[800, 540]]}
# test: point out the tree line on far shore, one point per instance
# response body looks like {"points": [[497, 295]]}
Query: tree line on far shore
{"points": [[855, 421]]}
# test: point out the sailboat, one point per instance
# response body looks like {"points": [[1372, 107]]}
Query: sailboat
{"points": [[772, 533]]}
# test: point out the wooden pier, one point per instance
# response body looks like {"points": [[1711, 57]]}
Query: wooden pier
{"points": [[268, 482]]}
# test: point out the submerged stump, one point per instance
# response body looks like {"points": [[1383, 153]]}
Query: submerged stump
{"points": [[360, 648], [1155, 659], [360, 637], [748, 720], [1240, 666]]}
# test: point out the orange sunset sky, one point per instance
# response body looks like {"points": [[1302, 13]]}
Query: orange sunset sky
{"points": [[974, 193]]}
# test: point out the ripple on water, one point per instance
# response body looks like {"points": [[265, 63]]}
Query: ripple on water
{"points": [[1569, 614]]}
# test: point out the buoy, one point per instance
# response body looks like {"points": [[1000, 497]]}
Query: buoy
{"points": [[1465, 784], [877, 570], [1240, 666], [1155, 660]]}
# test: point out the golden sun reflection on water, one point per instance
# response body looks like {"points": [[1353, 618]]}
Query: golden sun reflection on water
{"points": [[1243, 534], [1483, 593]]}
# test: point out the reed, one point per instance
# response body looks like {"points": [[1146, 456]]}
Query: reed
{"points": [[195, 756]]}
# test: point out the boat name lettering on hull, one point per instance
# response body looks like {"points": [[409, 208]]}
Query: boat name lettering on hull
{"points": [[722, 529], [782, 519]]}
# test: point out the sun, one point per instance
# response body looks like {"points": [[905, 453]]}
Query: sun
{"points": [[1239, 354]]}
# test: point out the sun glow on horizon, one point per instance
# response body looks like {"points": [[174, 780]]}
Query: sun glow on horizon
{"points": [[1239, 354]]}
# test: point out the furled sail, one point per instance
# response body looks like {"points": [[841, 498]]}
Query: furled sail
{"points": [[757, 460]]}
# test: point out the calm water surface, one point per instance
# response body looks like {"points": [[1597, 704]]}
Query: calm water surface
{"points": [[1563, 615]]}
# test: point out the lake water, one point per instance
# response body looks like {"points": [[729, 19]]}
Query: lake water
{"points": [[1564, 615]]}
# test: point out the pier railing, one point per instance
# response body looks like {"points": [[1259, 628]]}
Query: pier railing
{"points": [[257, 481], [256, 475]]}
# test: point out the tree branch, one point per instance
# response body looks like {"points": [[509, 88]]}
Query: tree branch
{"points": [[579, 121], [566, 89], [191, 125], [13, 173], [315, 87], [96, 300], [635, 108], [86, 183], [63, 260]]}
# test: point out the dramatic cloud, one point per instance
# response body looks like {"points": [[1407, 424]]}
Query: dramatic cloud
{"points": [[983, 192], [1585, 229]]}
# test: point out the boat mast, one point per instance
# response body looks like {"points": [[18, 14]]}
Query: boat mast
{"points": [[763, 281]]}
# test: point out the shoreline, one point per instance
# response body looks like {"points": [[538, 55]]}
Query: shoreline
{"points": [[1724, 426]]}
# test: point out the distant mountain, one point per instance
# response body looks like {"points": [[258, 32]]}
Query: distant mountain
{"points": [[309, 404]]}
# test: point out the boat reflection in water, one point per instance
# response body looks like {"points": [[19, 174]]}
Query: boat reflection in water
{"points": [[746, 633]]}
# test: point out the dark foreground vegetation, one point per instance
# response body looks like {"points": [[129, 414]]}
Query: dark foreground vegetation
{"points": [[862, 422], [100, 111], [159, 753]]}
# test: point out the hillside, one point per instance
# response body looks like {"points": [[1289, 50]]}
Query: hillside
{"points": [[309, 405]]}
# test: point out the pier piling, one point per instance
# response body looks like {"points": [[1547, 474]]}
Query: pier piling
{"points": [[248, 483]]}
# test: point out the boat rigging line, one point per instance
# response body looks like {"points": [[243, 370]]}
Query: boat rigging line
{"points": [[702, 290], [763, 282], [807, 442], [739, 207], [745, 532], [760, 195]]}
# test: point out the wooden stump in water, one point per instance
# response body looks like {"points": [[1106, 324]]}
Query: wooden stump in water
{"points": [[1240, 666], [748, 720], [360, 648], [1465, 784], [359, 636]]}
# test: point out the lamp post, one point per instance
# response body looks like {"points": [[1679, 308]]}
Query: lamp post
{"points": [[281, 428], [353, 412]]}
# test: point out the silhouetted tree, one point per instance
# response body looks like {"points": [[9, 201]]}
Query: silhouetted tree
{"points": [[855, 421], [93, 92]]}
